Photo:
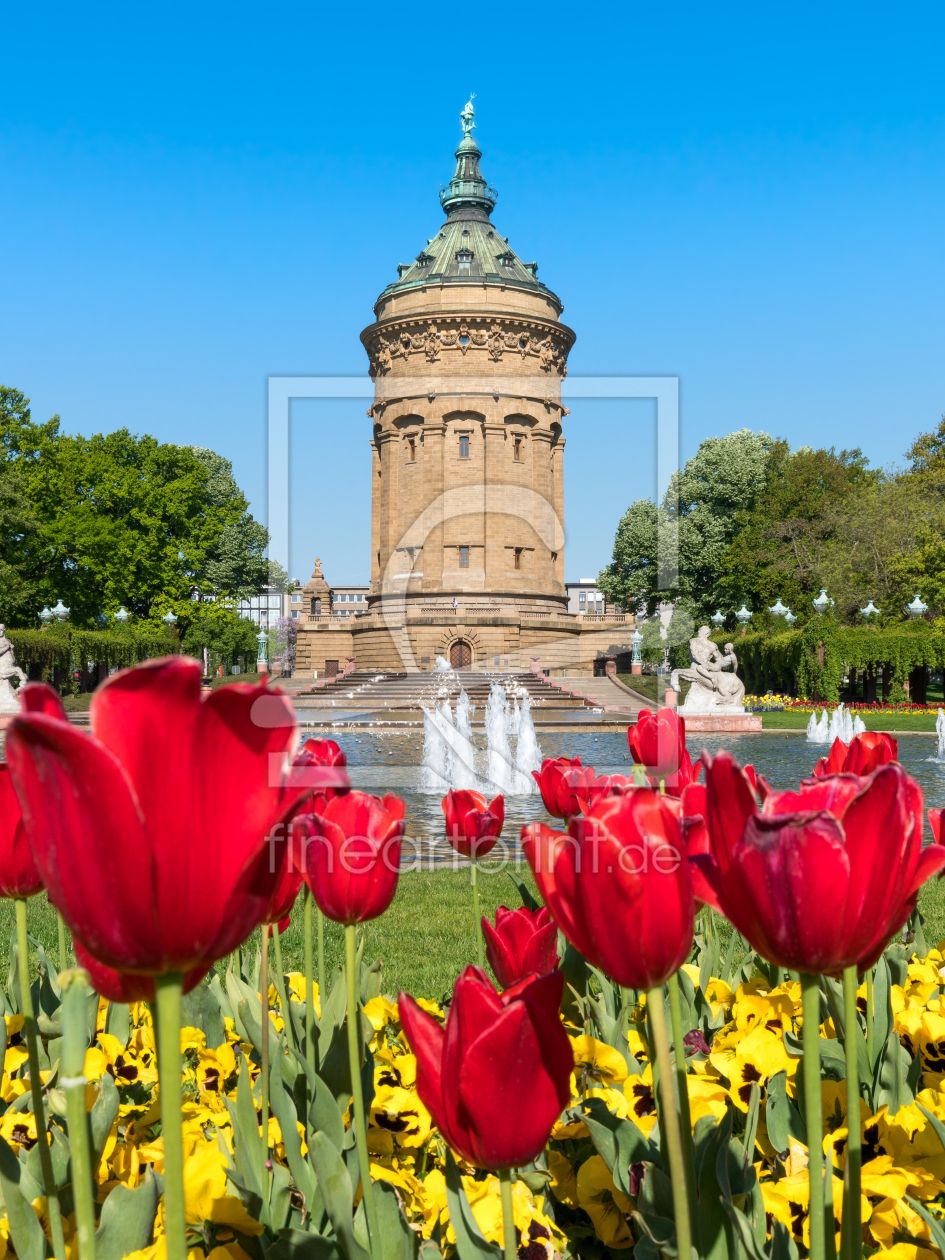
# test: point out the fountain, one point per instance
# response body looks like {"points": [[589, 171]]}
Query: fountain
{"points": [[451, 758], [442, 666], [940, 735], [837, 725]]}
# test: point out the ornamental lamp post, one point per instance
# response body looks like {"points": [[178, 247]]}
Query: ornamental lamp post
{"points": [[743, 616], [636, 659], [916, 609], [822, 602], [779, 609], [262, 653]]}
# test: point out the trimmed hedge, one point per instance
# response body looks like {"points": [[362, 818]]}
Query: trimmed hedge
{"points": [[811, 662]]}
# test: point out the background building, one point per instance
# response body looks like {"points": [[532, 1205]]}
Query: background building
{"points": [[467, 353]]}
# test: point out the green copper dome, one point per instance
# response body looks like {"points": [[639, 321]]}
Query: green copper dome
{"points": [[467, 247]]}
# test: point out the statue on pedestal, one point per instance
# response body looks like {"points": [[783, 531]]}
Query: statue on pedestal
{"points": [[712, 690], [9, 701]]}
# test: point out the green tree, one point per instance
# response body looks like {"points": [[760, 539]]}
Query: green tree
{"points": [[679, 549], [122, 520]]}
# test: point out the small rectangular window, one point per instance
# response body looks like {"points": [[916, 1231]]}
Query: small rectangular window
{"points": [[464, 446], [360, 599], [517, 450], [518, 557], [582, 597], [412, 450], [464, 557]]}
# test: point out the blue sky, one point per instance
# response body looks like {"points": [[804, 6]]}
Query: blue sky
{"points": [[750, 197]]}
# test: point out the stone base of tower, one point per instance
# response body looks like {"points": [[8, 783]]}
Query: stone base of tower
{"points": [[410, 641]]}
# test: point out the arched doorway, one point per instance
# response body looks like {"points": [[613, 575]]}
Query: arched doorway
{"points": [[460, 655]]}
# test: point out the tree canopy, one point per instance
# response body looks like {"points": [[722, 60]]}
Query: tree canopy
{"points": [[751, 521], [118, 519]]}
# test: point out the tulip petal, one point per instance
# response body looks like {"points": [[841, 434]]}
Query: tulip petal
{"points": [[88, 839], [510, 1095]]}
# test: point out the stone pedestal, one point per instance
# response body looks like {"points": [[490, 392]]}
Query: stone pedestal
{"points": [[742, 723]]}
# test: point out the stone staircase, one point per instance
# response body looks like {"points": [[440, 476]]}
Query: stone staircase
{"points": [[398, 698]]}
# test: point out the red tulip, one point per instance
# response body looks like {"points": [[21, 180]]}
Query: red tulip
{"points": [[523, 942], [618, 885], [562, 783], [497, 1077], [126, 986], [658, 741], [675, 784], [351, 855], [866, 752], [283, 896], [150, 833], [472, 827], [820, 878], [935, 822], [18, 874], [327, 774]]}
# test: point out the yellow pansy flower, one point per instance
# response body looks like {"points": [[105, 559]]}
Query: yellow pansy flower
{"points": [[595, 1064], [16, 1054], [563, 1180], [604, 1203], [381, 1011], [754, 1059], [205, 1196], [297, 991], [641, 1105]]}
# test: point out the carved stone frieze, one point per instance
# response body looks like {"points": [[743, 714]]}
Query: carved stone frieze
{"points": [[496, 337]]}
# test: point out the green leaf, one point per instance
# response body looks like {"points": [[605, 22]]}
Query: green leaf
{"points": [[200, 1008], [127, 1220], [882, 1017], [337, 1195], [283, 1108], [618, 1142], [325, 1116], [936, 1227], [783, 1119], [103, 1115], [25, 1229], [936, 1124], [528, 901], [715, 1228], [397, 1240], [295, 1244], [118, 1022], [59, 1156], [470, 1243]]}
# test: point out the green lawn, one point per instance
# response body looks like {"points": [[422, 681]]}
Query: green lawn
{"points": [[426, 937], [872, 721]]}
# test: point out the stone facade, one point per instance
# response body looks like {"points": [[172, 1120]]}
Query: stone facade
{"points": [[467, 353]]}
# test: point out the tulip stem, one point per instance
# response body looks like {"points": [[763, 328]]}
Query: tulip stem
{"points": [[63, 960], [670, 1124], [322, 983], [852, 1228], [508, 1219], [264, 1036], [354, 1062], [309, 981], [474, 872], [869, 1018], [168, 997], [813, 1116], [36, 1084], [75, 1038], [279, 978], [682, 1088]]}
